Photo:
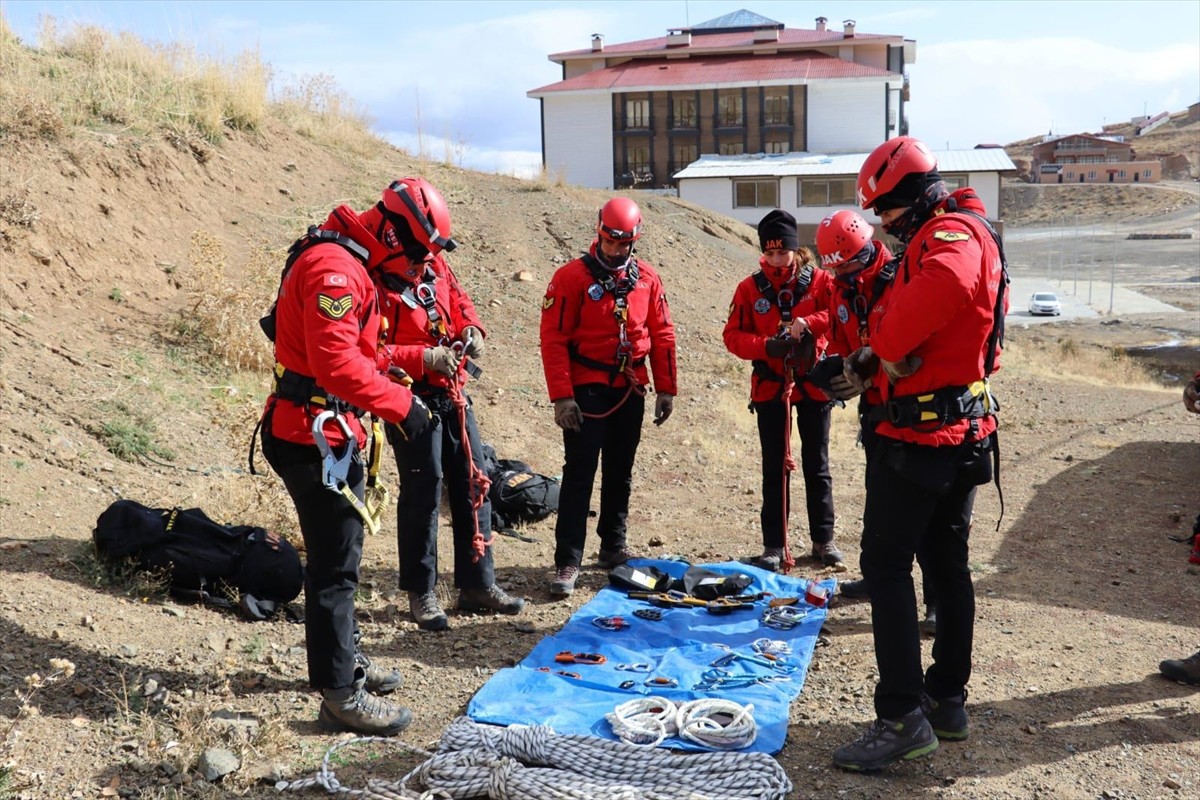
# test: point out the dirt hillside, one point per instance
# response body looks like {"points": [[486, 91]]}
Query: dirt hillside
{"points": [[132, 268]]}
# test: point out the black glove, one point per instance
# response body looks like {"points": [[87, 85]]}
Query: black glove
{"points": [[824, 371], [778, 348], [417, 419]]}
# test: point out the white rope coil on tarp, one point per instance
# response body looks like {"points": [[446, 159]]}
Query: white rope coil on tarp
{"points": [[534, 763], [711, 722]]}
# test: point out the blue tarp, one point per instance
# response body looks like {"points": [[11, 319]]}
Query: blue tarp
{"points": [[682, 646]]}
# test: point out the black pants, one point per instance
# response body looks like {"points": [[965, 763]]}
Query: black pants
{"points": [[435, 459], [870, 442], [333, 541], [920, 499], [812, 423], [617, 436]]}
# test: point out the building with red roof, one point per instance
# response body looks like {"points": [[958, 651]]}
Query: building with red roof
{"points": [[636, 113]]}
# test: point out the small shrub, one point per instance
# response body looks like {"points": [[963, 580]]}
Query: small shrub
{"points": [[19, 211], [130, 436]]}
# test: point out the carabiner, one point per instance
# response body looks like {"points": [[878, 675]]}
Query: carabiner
{"points": [[634, 667], [335, 468]]}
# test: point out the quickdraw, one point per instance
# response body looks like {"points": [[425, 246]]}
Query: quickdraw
{"points": [[784, 618], [610, 623], [716, 678], [567, 657], [335, 467]]}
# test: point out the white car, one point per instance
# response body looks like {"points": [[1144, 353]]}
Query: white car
{"points": [[1044, 303]]}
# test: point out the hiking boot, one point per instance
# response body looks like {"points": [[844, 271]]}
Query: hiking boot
{"points": [[1185, 670], [929, 624], [887, 741], [427, 611], [770, 560], [356, 710], [829, 555], [564, 581], [378, 680], [493, 598], [947, 716], [854, 590], [614, 558]]}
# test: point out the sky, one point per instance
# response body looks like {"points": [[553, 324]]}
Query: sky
{"points": [[450, 77]]}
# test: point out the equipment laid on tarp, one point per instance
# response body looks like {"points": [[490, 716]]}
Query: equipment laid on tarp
{"points": [[690, 650]]}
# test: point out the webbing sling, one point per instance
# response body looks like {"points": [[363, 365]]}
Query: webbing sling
{"points": [[620, 290], [785, 300]]}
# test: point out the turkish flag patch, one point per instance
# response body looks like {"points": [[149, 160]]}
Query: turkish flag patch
{"points": [[335, 280]]}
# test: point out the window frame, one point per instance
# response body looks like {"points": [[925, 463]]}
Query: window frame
{"points": [[846, 199], [631, 120], [757, 183]]}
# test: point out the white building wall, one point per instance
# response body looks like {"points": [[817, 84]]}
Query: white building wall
{"points": [[845, 116], [871, 55], [987, 186], [579, 139]]}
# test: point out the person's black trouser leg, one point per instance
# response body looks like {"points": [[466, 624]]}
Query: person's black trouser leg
{"points": [[776, 494], [419, 463], [468, 573], [333, 540], [581, 454], [920, 498], [812, 422], [622, 434]]}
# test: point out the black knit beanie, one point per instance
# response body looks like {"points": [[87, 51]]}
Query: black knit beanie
{"points": [[777, 231]]}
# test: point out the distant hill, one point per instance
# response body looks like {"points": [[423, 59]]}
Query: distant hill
{"points": [[1177, 137]]}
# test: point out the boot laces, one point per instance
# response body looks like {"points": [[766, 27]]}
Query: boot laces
{"points": [[430, 607], [566, 574], [371, 705]]}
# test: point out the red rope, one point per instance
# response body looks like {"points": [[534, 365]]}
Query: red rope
{"points": [[789, 461], [634, 386], [480, 483]]}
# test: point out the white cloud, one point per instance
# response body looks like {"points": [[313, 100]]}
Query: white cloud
{"points": [[517, 163], [999, 91]]}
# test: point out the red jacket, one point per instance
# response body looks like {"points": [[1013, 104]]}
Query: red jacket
{"points": [[327, 328], [408, 331], [843, 299], [753, 319], [577, 317], [940, 308]]}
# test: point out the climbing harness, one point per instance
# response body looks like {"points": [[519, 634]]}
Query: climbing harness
{"points": [[624, 363], [335, 467], [476, 760]]}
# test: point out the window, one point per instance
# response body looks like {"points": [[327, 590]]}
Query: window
{"points": [[637, 157], [827, 192], [730, 148], [1146, 174], [637, 113], [729, 109], [1092, 174], [776, 107], [683, 154], [757, 193], [683, 112], [1121, 174], [775, 146]]}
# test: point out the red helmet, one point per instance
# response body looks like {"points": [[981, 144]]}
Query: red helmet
{"points": [[414, 204], [841, 236], [620, 220], [888, 164]]}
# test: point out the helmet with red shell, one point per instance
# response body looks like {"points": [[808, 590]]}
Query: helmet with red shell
{"points": [[419, 213], [889, 164], [619, 220], [841, 236]]}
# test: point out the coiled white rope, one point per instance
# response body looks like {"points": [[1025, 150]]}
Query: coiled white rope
{"points": [[644, 721], [534, 763], [717, 724]]}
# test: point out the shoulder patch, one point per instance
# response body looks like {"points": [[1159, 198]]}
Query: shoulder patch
{"points": [[952, 236], [547, 302], [335, 308], [334, 279]]}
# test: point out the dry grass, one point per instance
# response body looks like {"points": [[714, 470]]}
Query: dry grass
{"points": [[85, 76], [1064, 359], [226, 304]]}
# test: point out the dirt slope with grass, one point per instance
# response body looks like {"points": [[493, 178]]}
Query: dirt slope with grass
{"points": [[133, 267]]}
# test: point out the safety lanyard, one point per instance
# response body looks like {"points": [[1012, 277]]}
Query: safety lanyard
{"points": [[620, 290], [858, 300], [423, 293], [784, 299]]}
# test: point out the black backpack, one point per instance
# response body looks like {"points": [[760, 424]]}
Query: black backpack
{"points": [[202, 560], [518, 494]]}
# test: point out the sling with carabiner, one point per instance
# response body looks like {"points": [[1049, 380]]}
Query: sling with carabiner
{"points": [[335, 466]]}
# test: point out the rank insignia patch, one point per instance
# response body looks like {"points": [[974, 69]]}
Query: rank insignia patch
{"points": [[335, 308], [951, 236]]}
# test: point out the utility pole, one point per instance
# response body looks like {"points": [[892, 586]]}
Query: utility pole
{"points": [[1112, 281]]}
